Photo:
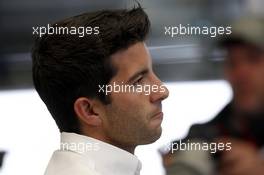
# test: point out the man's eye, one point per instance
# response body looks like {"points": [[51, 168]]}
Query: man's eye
{"points": [[138, 81]]}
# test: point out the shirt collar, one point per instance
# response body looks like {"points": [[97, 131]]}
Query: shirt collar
{"points": [[106, 158]]}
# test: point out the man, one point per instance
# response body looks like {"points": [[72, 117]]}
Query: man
{"points": [[241, 122], [99, 131]]}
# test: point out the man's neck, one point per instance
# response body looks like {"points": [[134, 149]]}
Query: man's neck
{"points": [[103, 138]]}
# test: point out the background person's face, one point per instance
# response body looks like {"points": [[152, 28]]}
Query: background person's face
{"points": [[245, 72], [134, 118]]}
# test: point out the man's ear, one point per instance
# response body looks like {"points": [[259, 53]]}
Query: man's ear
{"points": [[85, 111]]}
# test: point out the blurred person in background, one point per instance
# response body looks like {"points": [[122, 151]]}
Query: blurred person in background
{"points": [[241, 122]]}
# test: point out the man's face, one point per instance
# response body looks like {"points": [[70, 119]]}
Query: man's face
{"points": [[245, 71], [134, 118]]}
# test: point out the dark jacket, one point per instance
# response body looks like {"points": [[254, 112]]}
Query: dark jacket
{"points": [[249, 127]]}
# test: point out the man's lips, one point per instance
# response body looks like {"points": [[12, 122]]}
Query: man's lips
{"points": [[158, 115]]}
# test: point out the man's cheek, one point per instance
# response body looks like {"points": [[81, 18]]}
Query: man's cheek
{"points": [[134, 97], [126, 102]]}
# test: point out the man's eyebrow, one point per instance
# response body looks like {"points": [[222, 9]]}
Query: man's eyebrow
{"points": [[141, 72]]}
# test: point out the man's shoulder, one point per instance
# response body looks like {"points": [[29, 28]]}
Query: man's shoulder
{"points": [[69, 163]]}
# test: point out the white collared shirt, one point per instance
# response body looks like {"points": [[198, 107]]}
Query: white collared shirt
{"points": [[82, 155]]}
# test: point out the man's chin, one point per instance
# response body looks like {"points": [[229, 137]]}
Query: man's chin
{"points": [[158, 134], [153, 137]]}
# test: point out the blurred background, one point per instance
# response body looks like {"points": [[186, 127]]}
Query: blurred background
{"points": [[188, 65]]}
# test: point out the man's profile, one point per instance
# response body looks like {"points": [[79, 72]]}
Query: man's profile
{"points": [[67, 72]]}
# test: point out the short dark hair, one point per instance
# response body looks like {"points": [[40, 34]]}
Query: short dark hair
{"points": [[66, 67]]}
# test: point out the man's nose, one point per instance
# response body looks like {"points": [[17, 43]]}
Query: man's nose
{"points": [[161, 93]]}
